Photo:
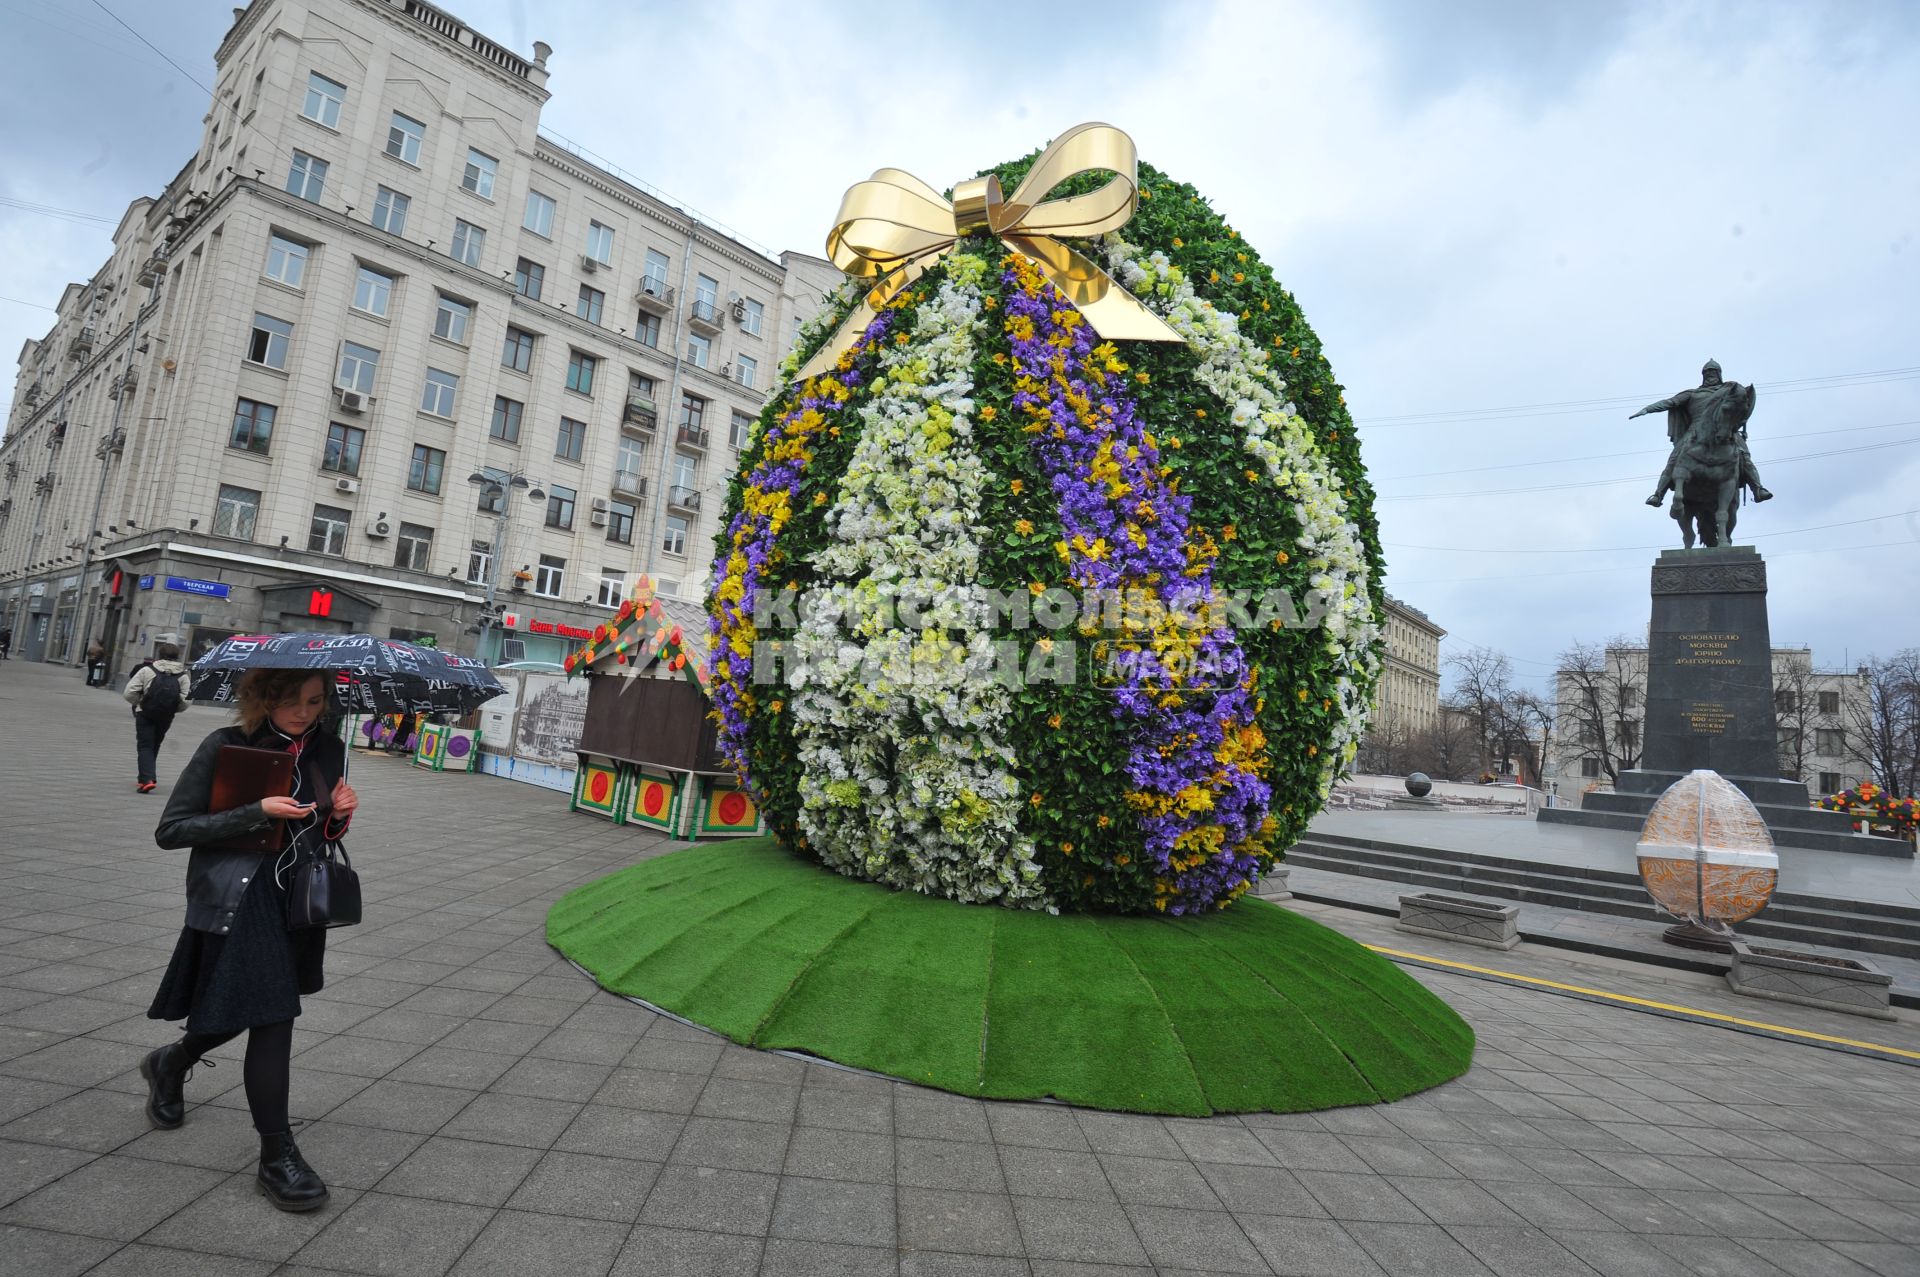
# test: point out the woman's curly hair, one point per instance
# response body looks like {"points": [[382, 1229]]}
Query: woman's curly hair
{"points": [[261, 690]]}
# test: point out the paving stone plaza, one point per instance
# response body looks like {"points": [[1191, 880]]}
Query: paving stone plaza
{"points": [[478, 1106]]}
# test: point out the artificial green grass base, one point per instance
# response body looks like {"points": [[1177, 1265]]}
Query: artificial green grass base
{"points": [[1252, 1009]]}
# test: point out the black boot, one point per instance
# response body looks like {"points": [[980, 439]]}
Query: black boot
{"points": [[285, 1177], [166, 1072]]}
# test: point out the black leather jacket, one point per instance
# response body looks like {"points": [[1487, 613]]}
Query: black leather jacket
{"points": [[215, 877]]}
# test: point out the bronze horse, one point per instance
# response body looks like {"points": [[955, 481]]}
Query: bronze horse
{"points": [[1706, 471]]}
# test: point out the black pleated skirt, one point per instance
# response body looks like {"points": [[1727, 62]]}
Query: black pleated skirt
{"points": [[254, 974]]}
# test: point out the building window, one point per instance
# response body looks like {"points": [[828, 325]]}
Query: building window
{"points": [[506, 419], [752, 316], [550, 577], [426, 469], [1831, 783], [627, 460], [404, 135], [613, 587], [1783, 702], [252, 426], [286, 261], [235, 512], [414, 549], [646, 330], [517, 352], [358, 364], [539, 214], [480, 172], [571, 441], [675, 541], [1829, 702], [372, 292], [342, 455], [590, 304], [699, 350], [450, 321], [580, 368], [390, 211], [437, 396], [1830, 741], [307, 177], [468, 240], [529, 278], [692, 409], [640, 386], [706, 295], [746, 369], [740, 431], [600, 243], [327, 534], [324, 98], [479, 562], [1589, 767], [686, 472], [560, 503], [655, 272], [268, 345], [620, 522]]}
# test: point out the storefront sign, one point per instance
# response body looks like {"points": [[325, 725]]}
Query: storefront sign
{"points": [[188, 585], [560, 628]]}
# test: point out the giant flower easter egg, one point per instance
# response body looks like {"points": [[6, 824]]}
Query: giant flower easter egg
{"points": [[1007, 612], [1705, 852]]}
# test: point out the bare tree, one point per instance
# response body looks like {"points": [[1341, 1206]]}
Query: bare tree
{"points": [[1449, 750], [1601, 700], [1883, 727], [1384, 749], [1507, 722]]}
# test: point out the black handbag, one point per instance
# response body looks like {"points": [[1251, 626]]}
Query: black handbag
{"points": [[323, 891]]}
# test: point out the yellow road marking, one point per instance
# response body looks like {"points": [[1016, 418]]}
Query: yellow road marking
{"points": [[1644, 1002]]}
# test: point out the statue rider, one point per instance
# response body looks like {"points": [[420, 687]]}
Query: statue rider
{"points": [[1698, 406]]}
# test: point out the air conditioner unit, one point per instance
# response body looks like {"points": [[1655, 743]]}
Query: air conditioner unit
{"points": [[600, 505], [514, 649], [598, 518], [588, 264], [348, 486], [351, 400], [740, 310], [379, 527]]}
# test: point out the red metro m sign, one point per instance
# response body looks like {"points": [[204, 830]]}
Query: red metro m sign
{"points": [[320, 603]]}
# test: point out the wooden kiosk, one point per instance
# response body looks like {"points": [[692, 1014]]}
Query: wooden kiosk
{"points": [[647, 752]]}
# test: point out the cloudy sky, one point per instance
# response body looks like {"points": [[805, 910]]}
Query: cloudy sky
{"points": [[1511, 223]]}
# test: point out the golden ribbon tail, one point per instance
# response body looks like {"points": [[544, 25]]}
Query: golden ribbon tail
{"points": [[893, 227]]}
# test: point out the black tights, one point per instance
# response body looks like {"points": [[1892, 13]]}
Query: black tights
{"points": [[267, 1072]]}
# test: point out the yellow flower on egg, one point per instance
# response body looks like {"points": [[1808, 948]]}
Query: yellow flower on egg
{"points": [[1017, 486], [988, 413], [1023, 526]]}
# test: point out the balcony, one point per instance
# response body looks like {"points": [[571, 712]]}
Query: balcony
{"points": [[683, 498], [153, 270], [82, 344], [640, 414], [655, 295], [692, 437], [703, 316], [630, 483]]}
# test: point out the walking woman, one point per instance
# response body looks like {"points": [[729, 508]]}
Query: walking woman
{"points": [[237, 969]]}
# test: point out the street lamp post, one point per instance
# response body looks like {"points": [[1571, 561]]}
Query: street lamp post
{"points": [[498, 487]]}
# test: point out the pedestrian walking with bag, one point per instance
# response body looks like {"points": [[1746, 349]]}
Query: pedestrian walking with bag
{"points": [[248, 952], [157, 691]]}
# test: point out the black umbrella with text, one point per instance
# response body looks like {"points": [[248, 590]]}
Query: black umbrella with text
{"points": [[370, 675]]}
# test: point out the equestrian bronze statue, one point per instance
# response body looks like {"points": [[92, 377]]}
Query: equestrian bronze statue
{"points": [[1709, 464]]}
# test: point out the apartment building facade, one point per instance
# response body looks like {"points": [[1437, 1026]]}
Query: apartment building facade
{"points": [[385, 357], [1409, 697]]}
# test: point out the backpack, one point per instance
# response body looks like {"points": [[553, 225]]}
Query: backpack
{"points": [[161, 701]]}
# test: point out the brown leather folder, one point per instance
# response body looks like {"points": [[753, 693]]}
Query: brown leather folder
{"points": [[243, 775]]}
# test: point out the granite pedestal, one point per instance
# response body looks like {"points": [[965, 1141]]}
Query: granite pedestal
{"points": [[1710, 704]]}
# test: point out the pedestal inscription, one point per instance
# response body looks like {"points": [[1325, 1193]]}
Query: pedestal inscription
{"points": [[1710, 665]]}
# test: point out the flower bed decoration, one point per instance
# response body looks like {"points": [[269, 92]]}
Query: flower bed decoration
{"points": [[1010, 609], [1871, 805]]}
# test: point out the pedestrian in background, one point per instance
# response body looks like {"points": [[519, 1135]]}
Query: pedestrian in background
{"points": [[6, 641], [157, 691], [236, 967]]}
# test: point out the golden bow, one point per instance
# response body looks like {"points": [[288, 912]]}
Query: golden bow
{"points": [[893, 226]]}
